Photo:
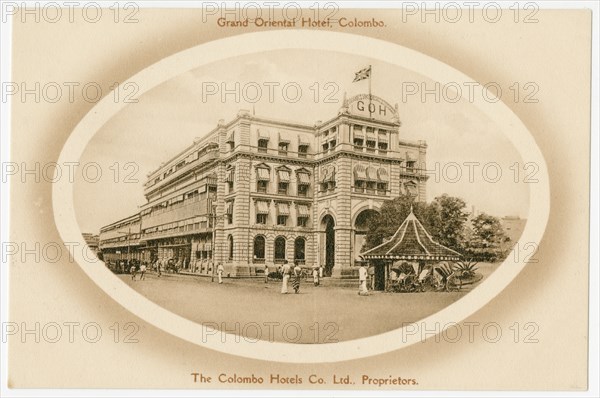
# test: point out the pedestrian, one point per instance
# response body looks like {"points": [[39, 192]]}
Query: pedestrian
{"points": [[315, 275], [371, 272], [285, 270], [266, 272], [220, 271], [362, 281], [143, 271], [159, 267], [297, 275], [132, 272]]}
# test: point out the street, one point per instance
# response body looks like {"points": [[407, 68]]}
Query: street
{"points": [[258, 310]]}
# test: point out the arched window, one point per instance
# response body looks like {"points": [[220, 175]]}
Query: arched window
{"points": [[259, 248], [279, 249], [299, 250], [230, 245]]}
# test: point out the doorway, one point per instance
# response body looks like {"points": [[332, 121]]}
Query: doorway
{"points": [[380, 269], [329, 245]]}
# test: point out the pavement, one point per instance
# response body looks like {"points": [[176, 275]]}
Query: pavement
{"points": [[257, 310]]}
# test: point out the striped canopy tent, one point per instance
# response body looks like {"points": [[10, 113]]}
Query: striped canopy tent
{"points": [[411, 242]]}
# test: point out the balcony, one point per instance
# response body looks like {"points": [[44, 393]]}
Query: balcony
{"points": [[195, 228], [412, 172], [153, 185], [188, 208], [371, 150], [281, 153]]}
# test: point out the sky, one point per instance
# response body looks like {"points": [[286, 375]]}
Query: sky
{"points": [[169, 117]]}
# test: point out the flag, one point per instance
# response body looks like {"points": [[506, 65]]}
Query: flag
{"points": [[362, 74]]}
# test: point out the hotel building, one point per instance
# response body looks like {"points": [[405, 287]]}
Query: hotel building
{"points": [[258, 191]]}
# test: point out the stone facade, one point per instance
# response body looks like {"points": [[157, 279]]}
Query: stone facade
{"points": [[277, 190]]}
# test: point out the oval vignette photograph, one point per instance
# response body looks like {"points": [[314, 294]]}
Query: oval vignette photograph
{"points": [[304, 196]]}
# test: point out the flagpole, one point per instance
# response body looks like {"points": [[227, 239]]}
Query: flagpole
{"points": [[370, 77]]}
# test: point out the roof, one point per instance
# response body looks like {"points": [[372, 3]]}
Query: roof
{"points": [[411, 242]]}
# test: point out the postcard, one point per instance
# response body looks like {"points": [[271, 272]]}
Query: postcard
{"points": [[297, 198]]}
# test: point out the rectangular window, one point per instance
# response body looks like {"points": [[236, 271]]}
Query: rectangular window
{"points": [[229, 212], [332, 144], [261, 186], [283, 148], [325, 147], [302, 221], [282, 220], [410, 165], [261, 219], [303, 190], [263, 145], [381, 188], [359, 142], [230, 139], [302, 150], [359, 186], [282, 188], [383, 146]]}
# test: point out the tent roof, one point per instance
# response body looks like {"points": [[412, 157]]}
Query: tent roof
{"points": [[411, 242]]}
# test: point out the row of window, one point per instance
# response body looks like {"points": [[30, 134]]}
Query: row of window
{"points": [[283, 147], [279, 249], [263, 181], [282, 212]]}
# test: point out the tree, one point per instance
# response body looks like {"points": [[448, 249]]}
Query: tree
{"points": [[486, 238], [445, 221]]}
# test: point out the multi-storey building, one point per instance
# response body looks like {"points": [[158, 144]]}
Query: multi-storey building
{"points": [[91, 241], [120, 240], [258, 190]]}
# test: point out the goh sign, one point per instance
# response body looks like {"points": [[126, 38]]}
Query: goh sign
{"points": [[371, 106]]}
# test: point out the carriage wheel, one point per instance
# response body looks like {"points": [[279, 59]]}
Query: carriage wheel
{"points": [[409, 284], [453, 284]]}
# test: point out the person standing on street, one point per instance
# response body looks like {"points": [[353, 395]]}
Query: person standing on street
{"points": [[132, 272], [315, 275], [143, 271], [297, 276], [362, 281], [266, 272], [285, 270], [220, 271], [371, 271]]}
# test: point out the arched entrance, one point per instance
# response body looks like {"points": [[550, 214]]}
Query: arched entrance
{"points": [[361, 227], [328, 224]]}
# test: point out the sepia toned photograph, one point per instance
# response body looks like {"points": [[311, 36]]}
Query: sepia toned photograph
{"points": [[330, 186], [334, 198]]}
